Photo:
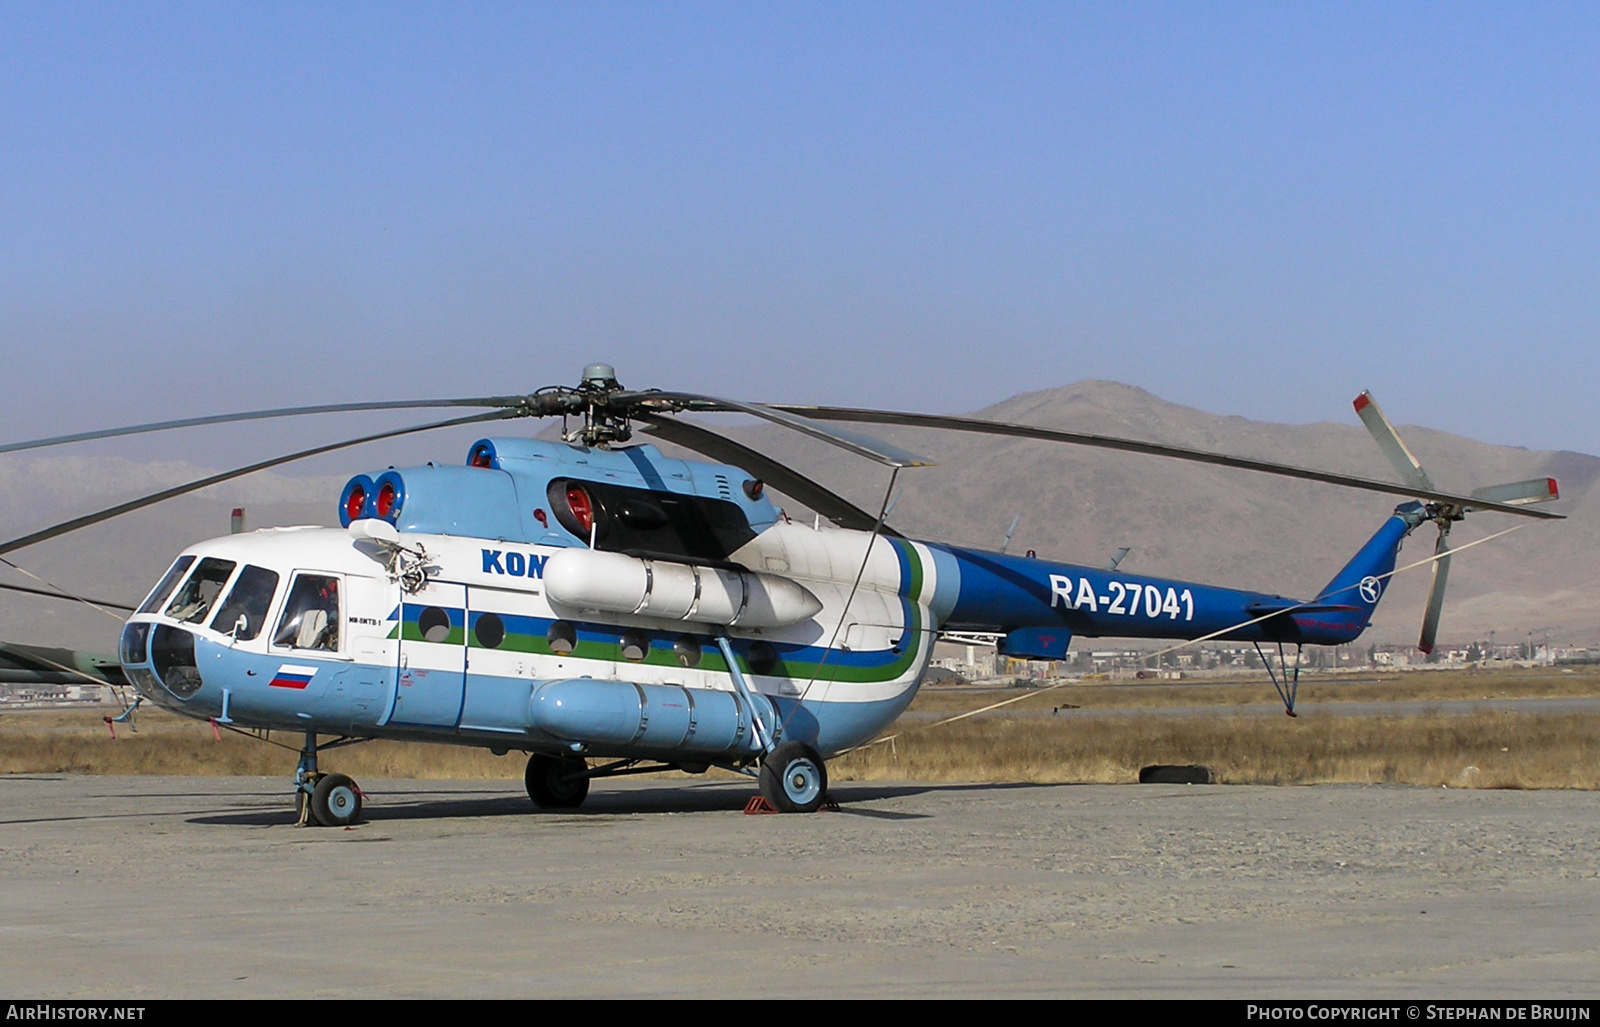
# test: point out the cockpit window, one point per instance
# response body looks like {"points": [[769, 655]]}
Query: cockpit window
{"points": [[194, 599], [245, 609], [310, 617], [164, 589]]}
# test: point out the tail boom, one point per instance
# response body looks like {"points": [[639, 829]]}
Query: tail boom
{"points": [[1020, 595]]}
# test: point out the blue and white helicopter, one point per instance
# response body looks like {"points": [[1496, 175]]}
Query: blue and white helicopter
{"points": [[610, 610]]}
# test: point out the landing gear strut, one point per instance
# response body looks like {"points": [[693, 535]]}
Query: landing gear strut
{"points": [[331, 800]]}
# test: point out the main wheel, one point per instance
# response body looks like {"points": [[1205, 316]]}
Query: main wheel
{"points": [[551, 784], [794, 779], [336, 801]]}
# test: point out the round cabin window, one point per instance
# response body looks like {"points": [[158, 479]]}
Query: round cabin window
{"points": [[490, 629], [635, 646], [763, 658], [434, 625], [687, 650], [563, 637]]}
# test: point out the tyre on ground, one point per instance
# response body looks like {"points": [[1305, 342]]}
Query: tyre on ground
{"points": [[794, 778]]}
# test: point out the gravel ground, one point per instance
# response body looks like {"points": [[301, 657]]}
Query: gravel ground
{"points": [[173, 887]]}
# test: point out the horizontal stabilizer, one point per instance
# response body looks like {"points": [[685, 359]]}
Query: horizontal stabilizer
{"points": [[1520, 493], [1036, 644]]}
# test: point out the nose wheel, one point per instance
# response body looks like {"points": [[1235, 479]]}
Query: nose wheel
{"points": [[328, 800], [336, 801]]}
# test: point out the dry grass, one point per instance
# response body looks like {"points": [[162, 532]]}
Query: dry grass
{"points": [[1484, 750], [1392, 686], [78, 743]]}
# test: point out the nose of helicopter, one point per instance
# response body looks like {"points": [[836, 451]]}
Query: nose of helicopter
{"points": [[160, 660]]}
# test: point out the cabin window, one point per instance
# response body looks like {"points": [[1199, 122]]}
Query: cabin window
{"points": [[165, 586], [433, 623], [763, 659], [245, 610], [687, 650], [310, 618], [194, 599], [562, 636], [490, 629], [635, 645]]}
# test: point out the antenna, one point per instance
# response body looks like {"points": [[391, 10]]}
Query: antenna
{"points": [[1009, 532], [1116, 557]]}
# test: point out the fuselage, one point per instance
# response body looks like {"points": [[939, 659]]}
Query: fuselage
{"points": [[481, 654], [484, 616]]}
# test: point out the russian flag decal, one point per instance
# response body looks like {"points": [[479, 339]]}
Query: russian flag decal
{"points": [[291, 676]]}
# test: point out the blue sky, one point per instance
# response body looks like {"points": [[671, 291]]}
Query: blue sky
{"points": [[1256, 209]]}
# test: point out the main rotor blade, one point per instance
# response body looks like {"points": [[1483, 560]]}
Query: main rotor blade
{"points": [[1024, 431], [178, 490], [62, 595], [786, 480], [258, 415], [861, 445], [1399, 454], [1430, 613]]}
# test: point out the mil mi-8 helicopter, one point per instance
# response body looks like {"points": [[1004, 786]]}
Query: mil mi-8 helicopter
{"points": [[587, 600]]}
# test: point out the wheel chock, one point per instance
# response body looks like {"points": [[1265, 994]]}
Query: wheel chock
{"points": [[758, 804]]}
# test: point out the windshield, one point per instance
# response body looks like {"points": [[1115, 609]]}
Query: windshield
{"points": [[200, 591], [245, 609], [164, 588], [310, 618]]}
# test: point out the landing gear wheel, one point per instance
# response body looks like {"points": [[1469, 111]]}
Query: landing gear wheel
{"points": [[550, 785], [336, 801], [794, 779]]}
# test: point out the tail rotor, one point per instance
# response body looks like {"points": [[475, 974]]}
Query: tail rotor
{"points": [[1517, 493]]}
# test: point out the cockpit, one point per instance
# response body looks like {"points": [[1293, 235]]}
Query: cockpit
{"points": [[239, 601], [309, 618]]}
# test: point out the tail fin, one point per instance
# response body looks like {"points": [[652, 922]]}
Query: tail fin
{"points": [[1365, 578]]}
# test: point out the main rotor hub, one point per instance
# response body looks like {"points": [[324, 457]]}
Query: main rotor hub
{"points": [[601, 424], [599, 378]]}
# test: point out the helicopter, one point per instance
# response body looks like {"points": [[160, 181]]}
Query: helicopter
{"points": [[608, 609]]}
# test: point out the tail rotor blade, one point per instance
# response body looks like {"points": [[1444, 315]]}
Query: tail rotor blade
{"points": [[1516, 493], [1388, 440], [1430, 614]]}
